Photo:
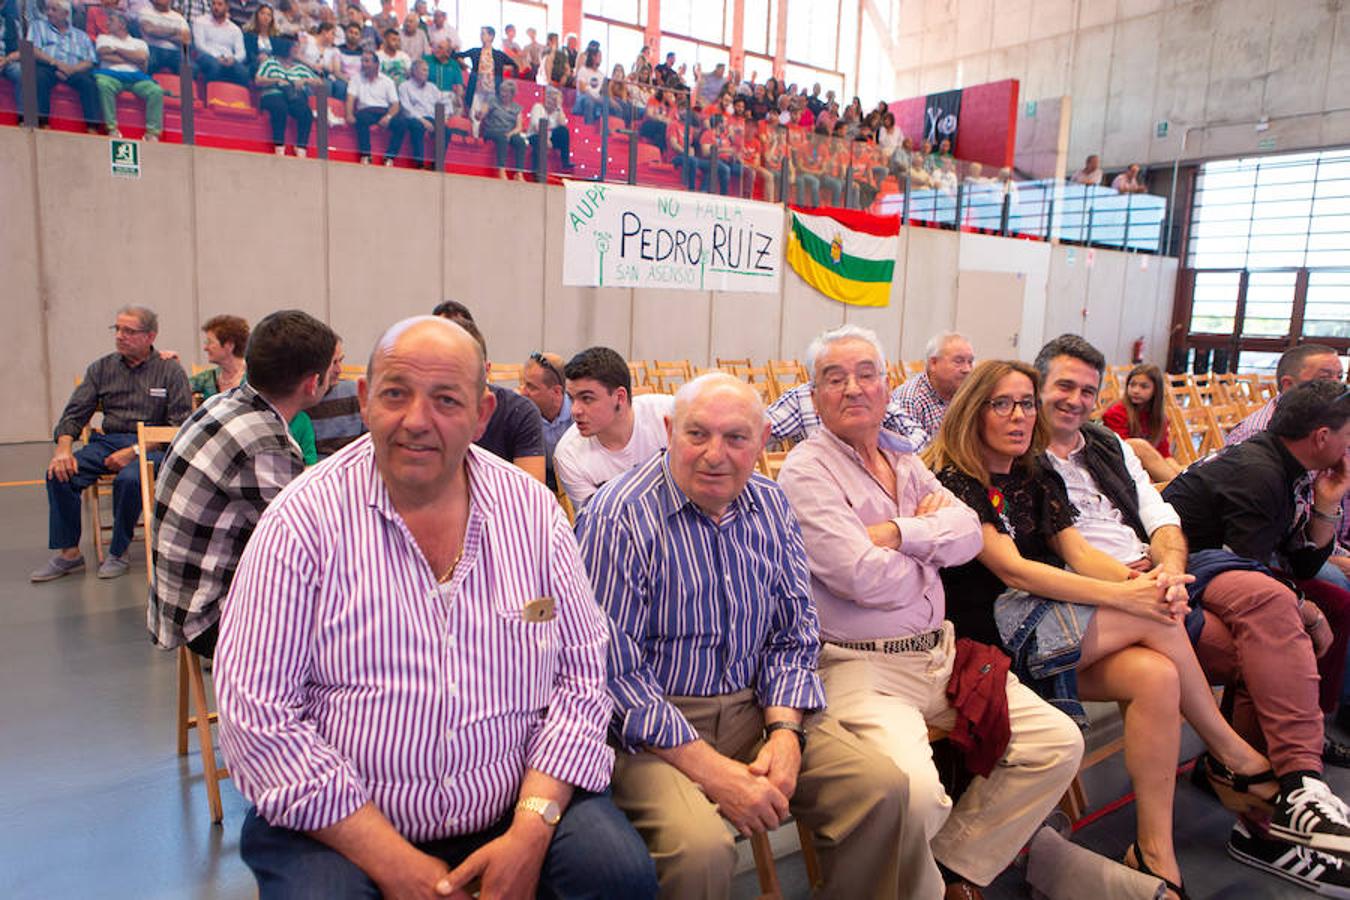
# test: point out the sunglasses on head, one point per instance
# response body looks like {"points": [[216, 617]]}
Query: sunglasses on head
{"points": [[542, 360]]}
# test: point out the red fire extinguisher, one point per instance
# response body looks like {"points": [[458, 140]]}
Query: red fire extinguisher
{"points": [[1137, 350]]}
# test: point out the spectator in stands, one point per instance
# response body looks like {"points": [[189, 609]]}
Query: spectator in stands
{"points": [[834, 158], [515, 431], [1248, 508], [393, 61], [259, 35], [443, 70], [570, 45], [167, 34], [682, 134], [815, 102], [349, 58], [372, 99], [370, 38], [511, 47], [1091, 173], [757, 107], [290, 19], [642, 66], [532, 54], [808, 163], [612, 430], [711, 710], [541, 383], [285, 84], [417, 99], [487, 68], [710, 85], [134, 384], [549, 112], [617, 99], [876, 584], [889, 136], [948, 360], [442, 30], [385, 19], [220, 46], [465, 525], [589, 82], [226, 464], [753, 167], [321, 55], [1140, 418], [1297, 365], [1128, 182], [413, 39], [122, 61], [241, 11], [501, 124], [556, 65], [1101, 631], [64, 55], [656, 121], [665, 71], [792, 417]]}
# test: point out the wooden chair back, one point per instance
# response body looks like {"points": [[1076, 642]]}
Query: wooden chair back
{"points": [[506, 374]]}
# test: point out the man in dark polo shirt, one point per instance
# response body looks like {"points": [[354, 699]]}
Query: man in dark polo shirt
{"points": [[516, 430], [133, 384]]}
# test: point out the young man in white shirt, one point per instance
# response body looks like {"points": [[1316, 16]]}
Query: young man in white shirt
{"points": [[550, 110], [372, 99], [611, 431], [220, 46]]}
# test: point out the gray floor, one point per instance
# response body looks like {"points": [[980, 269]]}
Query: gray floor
{"points": [[95, 802]]}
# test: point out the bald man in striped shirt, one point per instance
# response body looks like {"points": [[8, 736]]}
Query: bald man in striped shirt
{"points": [[411, 664]]}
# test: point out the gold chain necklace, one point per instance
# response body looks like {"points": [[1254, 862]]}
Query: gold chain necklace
{"points": [[450, 572]]}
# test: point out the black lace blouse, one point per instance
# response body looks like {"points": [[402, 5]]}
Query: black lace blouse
{"points": [[1035, 508]]}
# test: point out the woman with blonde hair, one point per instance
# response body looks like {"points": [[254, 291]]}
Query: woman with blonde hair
{"points": [[1140, 418], [1078, 624]]}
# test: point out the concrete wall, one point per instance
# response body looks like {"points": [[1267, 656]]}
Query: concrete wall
{"points": [[1216, 66], [211, 231]]}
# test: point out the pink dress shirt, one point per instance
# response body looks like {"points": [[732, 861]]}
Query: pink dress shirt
{"points": [[862, 591]]}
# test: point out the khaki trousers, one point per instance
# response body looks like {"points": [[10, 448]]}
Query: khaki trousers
{"points": [[851, 797], [890, 699]]}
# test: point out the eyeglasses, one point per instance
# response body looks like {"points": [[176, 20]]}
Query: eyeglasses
{"points": [[123, 330], [1003, 406], [542, 360], [837, 381]]}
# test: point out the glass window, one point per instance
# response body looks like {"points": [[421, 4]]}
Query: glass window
{"points": [[1214, 305], [759, 29], [1258, 361], [813, 33], [1270, 303], [704, 20], [474, 14], [1327, 311], [523, 16], [618, 10]]}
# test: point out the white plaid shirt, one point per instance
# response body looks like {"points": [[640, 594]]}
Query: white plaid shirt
{"points": [[227, 462]]}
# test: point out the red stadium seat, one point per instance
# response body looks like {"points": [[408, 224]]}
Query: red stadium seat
{"points": [[230, 99], [173, 89]]}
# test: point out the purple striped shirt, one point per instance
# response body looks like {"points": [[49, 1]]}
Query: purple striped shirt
{"points": [[345, 674]]}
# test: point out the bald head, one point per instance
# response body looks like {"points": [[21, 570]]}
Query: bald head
{"points": [[427, 333], [704, 388], [716, 434]]}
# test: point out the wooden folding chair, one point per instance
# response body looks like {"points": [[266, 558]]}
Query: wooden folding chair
{"points": [[732, 365], [190, 680], [786, 374], [352, 372], [506, 374], [771, 462]]}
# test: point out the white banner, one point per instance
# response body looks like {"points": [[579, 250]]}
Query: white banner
{"points": [[622, 236]]}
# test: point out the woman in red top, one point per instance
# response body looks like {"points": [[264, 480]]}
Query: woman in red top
{"points": [[1141, 420]]}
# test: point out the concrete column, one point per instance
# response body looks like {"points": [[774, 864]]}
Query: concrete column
{"points": [[571, 19], [780, 39], [737, 36], [652, 35]]}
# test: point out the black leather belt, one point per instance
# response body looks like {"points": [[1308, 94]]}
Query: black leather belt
{"points": [[917, 643]]}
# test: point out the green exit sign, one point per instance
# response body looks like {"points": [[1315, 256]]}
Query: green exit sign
{"points": [[1162, 128], [126, 158]]}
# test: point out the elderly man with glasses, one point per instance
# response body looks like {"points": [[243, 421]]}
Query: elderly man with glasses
{"points": [[133, 384]]}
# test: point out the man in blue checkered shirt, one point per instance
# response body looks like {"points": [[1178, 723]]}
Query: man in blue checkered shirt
{"points": [[65, 55], [948, 360]]}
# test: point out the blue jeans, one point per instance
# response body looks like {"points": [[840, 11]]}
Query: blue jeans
{"points": [[211, 69], [164, 59], [594, 853], [63, 497]]}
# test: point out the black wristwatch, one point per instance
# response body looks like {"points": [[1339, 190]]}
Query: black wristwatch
{"points": [[793, 727]]}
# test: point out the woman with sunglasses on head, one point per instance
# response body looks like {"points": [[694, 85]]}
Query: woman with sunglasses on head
{"points": [[1099, 632]]}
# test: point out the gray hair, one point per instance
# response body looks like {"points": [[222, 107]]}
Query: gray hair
{"points": [[146, 315], [58, 4], [938, 342], [842, 333], [690, 391]]}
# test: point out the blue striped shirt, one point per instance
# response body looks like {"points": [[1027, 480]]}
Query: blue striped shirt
{"points": [[698, 608]]}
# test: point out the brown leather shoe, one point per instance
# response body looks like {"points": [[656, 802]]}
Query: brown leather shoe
{"points": [[963, 890]]}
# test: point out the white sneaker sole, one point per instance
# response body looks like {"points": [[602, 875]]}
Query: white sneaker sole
{"points": [[1311, 884]]}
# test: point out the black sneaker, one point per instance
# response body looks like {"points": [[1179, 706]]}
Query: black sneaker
{"points": [[1312, 869], [1334, 753], [1313, 816]]}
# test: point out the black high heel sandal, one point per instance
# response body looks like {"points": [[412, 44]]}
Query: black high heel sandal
{"points": [[1142, 868], [1234, 790]]}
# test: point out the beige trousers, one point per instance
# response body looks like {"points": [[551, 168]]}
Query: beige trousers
{"points": [[889, 700], [851, 797]]}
